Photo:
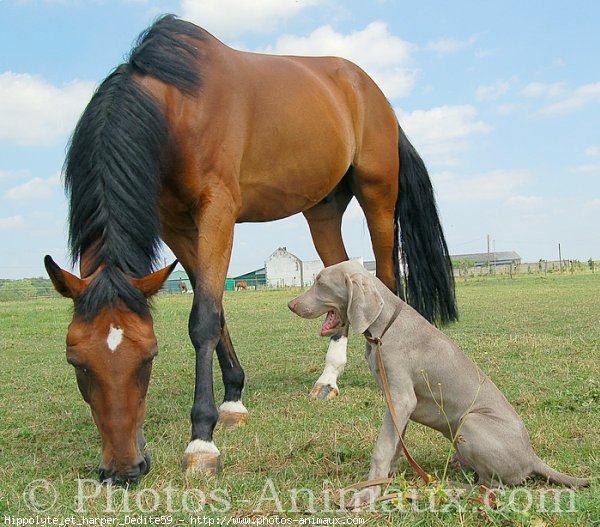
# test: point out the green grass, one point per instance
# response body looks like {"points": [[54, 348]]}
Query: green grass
{"points": [[537, 337]]}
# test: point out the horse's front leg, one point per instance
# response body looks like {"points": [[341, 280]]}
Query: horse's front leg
{"points": [[206, 328], [232, 412], [326, 386]]}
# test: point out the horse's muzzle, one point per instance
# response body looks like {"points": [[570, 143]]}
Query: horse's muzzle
{"points": [[131, 476]]}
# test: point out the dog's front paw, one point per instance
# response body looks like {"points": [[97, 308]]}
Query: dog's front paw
{"points": [[324, 391], [363, 499]]}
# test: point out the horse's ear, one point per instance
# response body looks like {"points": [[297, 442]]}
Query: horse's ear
{"points": [[150, 284], [65, 283]]}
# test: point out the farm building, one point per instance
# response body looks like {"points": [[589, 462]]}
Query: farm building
{"points": [[172, 284], [284, 269], [254, 279], [485, 259]]}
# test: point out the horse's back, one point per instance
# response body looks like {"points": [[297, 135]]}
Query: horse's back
{"points": [[263, 123], [308, 120]]}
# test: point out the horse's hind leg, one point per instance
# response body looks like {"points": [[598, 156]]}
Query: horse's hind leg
{"points": [[232, 412], [376, 192], [325, 223]]}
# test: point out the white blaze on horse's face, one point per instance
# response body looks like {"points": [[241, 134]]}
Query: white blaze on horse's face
{"points": [[115, 336]]}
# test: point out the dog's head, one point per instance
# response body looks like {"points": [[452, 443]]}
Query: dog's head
{"points": [[347, 293]]}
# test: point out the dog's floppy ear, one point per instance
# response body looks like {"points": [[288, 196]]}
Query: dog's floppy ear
{"points": [[364, 302]]}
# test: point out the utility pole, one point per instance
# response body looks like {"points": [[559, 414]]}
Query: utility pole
{"points": [[488, 255], [559, 258]]}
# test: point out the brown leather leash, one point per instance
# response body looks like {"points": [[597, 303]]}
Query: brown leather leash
{"points": [[377, 341], [490, 496]]}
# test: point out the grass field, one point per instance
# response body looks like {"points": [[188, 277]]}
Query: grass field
{"points": [[537, 337]]}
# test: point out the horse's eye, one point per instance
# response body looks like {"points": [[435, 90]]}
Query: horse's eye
{"points": [[79, 368]]}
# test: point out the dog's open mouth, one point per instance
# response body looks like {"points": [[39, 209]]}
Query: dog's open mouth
{"points": [[332, 322]]}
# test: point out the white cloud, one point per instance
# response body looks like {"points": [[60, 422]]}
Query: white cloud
{"points": [[592, 168], [34, 189], [441, 133], [593, 204], [37, 113], [592, 151], [230, 18], [11, 223], [497, 185], [540, 89], [450, 45], [567, 100], [382, 55], [575, 100], [9, 175], [484, 53], [525, 202], [492, 92], [508, 108]]}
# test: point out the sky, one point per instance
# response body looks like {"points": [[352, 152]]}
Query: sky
{"points": [[501, 98]]}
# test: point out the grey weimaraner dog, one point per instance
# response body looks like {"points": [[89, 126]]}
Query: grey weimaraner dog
{"points": [[423, 368]]}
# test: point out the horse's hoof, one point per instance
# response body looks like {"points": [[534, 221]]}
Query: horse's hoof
{"points": [[323, 392], [201, 456], [233, 419], [233, 414], [202, 463]]}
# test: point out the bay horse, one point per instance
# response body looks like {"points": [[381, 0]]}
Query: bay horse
{"points": [[241, 286], [182, 141], [181, 285]]}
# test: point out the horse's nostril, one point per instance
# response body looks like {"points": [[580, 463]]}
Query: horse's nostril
{"points": [[292, 304], [147, 462], [133, 475], [142, 467], [105, 476]]}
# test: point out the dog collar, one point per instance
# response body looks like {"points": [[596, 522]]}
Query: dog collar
{"points": [[377, 340]]}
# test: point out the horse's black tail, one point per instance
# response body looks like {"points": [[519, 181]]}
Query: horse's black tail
{"points": [[428, 281]]}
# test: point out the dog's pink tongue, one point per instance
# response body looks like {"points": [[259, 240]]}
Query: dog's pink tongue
{"points": [[328, 324]]}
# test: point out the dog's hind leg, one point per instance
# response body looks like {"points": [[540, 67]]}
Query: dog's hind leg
{"points": [[498, 450]]}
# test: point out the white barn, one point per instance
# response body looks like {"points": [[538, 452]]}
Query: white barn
{"points": [[284, 269]]}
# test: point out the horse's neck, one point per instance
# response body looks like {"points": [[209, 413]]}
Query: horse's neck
{"points": [[87, 262]]}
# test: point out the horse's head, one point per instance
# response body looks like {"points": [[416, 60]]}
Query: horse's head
{"points": [[112, 354]]}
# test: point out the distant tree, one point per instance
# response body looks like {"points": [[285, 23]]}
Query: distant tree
{"points": [[513, 267], [591, 264], [43, 286], [17, 290], [463, 267]]}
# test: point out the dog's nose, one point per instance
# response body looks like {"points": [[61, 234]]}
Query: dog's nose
{"points": [[292, 304]]}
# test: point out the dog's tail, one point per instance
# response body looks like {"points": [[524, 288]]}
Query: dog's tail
{"points": [[553, 476], [428, 281]]}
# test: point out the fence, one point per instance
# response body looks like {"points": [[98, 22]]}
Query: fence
{"points": [[34, 288], [463, 270]]}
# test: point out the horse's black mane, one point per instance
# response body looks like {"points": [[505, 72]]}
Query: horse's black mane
{"points": [[114, 164]]}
